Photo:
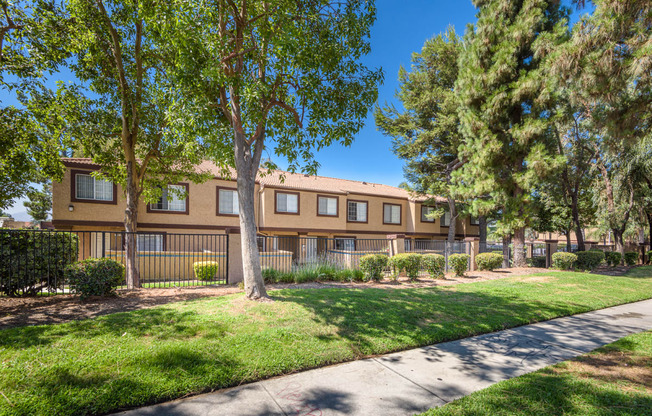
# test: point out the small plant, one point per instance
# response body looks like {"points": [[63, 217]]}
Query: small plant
{"points": [[372, 265], [563, 261], [270, 275], [95, 277], [631, 258], [410, 262], [205, 270], [489, 261], [613, 258], [649, 256], [435, 264], [537, 261], [589, 260], [459, 263]]}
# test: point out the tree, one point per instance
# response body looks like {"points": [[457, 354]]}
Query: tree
{"points": [[281, 73], [39, 204], [426, 135], [506, 103]]}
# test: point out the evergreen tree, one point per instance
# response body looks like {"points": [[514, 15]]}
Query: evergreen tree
{"points": [[506, 104], [39, 204]]}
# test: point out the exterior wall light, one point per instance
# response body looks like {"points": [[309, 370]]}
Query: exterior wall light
{"points": [[71, 207]]}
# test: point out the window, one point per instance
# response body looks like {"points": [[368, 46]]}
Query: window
{"points": [[287, 203], [88, 187], [345, 244], [149, 242], [446, 219], [474, 221], [425, 212], [171, 201], [327, 206], [227, 202], [391, 214], [357, 211]]}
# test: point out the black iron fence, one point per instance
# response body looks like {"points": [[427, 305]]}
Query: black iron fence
{"points": [[442, 247], [34, 261]]}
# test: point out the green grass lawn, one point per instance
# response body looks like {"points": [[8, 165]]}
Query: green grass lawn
{"points": [[151, 355], [612, 380]]}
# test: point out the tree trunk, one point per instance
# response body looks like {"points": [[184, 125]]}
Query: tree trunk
{"points": [[507, 239], [131, 227], [578, 225], [649, 222], [482, 225], [452, 209], [619, 244], [568, 242], [519, 247]]}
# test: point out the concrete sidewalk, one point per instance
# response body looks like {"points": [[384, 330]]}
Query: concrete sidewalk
{"points": [[413, 381]]}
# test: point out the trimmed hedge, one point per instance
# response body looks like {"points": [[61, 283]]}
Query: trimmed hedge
{"points": [[613, 258], [459, 263], [563, 260], [631, 258], [489, 261], [410, 262], [372, 265], [205, 270], [435, 264], [537, 261], [34, 260], [589, 260], [95, 277]]}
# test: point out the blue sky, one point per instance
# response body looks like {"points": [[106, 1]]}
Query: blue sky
{"points": [[401, 28]]}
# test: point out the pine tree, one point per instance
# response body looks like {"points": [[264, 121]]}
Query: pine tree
{"points": [[506, 103]]}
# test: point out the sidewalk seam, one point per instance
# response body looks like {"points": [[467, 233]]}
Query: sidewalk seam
{"points": [[411, 381], [273, 399]]}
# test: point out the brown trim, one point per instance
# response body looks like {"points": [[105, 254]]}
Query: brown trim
{"points": [[217, 201], [337, 205], [379, 196], [400, 214], [337, 193], [70, 223], [421, 215], [288, 189], [347, 211], [162, 211], [276, 211], [81, 165], [73, 189]]}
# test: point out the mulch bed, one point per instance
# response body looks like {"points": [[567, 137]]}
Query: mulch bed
{"points": [[612, 271]]}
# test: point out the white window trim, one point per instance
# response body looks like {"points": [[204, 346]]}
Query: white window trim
{"points": [[358, 203], [94, 198], [235, 207], [391, 213], [287, 208], [153, 207], [327, 198]]}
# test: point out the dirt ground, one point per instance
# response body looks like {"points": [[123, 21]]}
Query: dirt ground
{"points": [[65, 308]]}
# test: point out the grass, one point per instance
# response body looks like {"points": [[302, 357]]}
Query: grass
{"points": [[612, 380], [151, 355]]}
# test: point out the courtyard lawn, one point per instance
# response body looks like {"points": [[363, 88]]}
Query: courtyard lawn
{"points": [[151, 355], [612, 380]]}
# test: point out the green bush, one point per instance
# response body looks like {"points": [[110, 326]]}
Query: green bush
{"points": [[350, 275], [537, 261], [373, 265], [31, 261], [589, 260], [95, 277], [631, 258], [459, 263], [435, 264], [649, 256], [612, 258], [205, 270], [410, 262], [489, 261], [563, 261]]}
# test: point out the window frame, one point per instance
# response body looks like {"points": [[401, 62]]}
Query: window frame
{"points": [[73, 189], [474, 221], [337, 205], [400, 213], [442, 223], [276, 211], [340, 238], [151, 210], [156, 234], [426, 220], [348, 201], [217, 201]]}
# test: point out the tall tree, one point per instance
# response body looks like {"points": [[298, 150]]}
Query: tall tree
{"points": [[506, 101], [282, 74], [39, 203], [426, 134]]}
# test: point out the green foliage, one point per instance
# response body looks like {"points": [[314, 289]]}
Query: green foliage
{"points": [[205, 270], [537, 261], [489, 261], [95, 277], [563, 261], [435, 264], [409, 262], [373, 265], [649, 256], [631, 258], [39, 204], [589, 260], [459, 263], [321, 271], [613, 258], [34, 260]]}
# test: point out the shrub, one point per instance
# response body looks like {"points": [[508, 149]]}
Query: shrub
{"points": [[34, 260], [372, 265], [589, 260], [435, 264], [95, 277], [205, 270], [270, 275], [489, 261], [631, 258], [459, 263], [649, 256], [410, 262], [537, 261], [563, 261], [612, 258]]}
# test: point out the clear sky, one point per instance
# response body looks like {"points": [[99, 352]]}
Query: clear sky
{"points": [[401, 28]]}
